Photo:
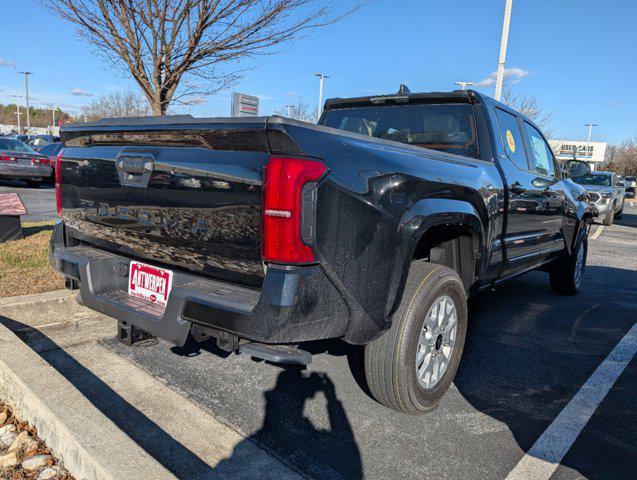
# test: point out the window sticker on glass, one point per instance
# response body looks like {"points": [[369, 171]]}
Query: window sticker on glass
{"points": [[510, 141], [539, 152]]}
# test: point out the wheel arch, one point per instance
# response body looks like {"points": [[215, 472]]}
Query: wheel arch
{"points": [[445, 231]]}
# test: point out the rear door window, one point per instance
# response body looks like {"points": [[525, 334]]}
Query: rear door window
{"points": [[511, 138]]}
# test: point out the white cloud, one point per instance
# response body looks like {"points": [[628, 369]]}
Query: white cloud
{"points": [[511, 76], [265, 98], [78, 92], [7, 63]]}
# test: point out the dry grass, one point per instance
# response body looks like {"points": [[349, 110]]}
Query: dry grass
{"points": [[24, 264]]}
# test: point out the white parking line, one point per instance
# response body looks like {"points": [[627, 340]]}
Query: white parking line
{"points": [[547, 452], [597, 232]]}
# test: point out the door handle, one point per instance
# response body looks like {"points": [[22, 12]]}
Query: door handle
{"points": [[516, 187]]}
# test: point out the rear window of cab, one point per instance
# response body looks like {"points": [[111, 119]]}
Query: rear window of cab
{"points": [[448, 127]]}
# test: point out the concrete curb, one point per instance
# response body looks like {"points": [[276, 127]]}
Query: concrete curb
{"points": [[90, 445], [54, 296]]}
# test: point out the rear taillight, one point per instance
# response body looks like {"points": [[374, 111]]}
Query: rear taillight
{"points": [[283, 181], [58, 176], [6, 158]]}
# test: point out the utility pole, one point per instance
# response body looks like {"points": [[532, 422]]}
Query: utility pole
{"points": [[503, 49], [464, 85], [26, 83], [320, 101], [17, 107], [588, 140], [53, 112]]}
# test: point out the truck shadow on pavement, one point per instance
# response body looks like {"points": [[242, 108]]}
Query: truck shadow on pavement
{"points": [[528, 352], [627, 220]]}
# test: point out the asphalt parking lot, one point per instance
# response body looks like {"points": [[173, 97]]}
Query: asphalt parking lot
{"points": [[528, 353], [40, 202]]}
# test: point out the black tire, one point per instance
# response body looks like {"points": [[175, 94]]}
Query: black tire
{"points": [[34, 183], [621, 211], [564, 277], [390, 361], [610, 217]]}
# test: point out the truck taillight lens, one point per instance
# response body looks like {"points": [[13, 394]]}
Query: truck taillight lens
{"points": [[58, 193], [283, 181]]}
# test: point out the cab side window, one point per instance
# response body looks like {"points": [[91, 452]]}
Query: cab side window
{"points": [[540, 154], [511, 138]]}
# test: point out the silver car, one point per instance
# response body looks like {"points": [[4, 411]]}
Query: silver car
{"points": [[606, 192], [19, 161]]}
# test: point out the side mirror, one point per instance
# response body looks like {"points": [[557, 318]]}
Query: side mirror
{"points": [[541, 182], [577, 168]]}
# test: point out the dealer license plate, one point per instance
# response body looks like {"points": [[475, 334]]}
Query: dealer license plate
{"points": [[150, 283]]}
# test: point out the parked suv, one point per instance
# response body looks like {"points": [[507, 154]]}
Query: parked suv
{"points": [[606, 192]]}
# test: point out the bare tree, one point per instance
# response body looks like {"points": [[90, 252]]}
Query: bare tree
{"points": [[622, 159], [300, 111], [532, 108], [116, 104], [176, 49]]}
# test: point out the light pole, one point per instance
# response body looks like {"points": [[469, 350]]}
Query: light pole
{"points": [[588, 140], [289, 107], [17, 107], [26, 83], [464, 85], [503, 49], [320, 101]]}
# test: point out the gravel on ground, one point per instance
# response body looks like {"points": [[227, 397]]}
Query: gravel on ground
{"points": [[23, 456]]}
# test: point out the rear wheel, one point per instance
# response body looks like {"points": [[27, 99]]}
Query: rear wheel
{"points": [[566, 278], [413, 364]]}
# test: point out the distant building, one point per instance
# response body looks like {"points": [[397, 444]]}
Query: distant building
{"points": [[565, 150]]}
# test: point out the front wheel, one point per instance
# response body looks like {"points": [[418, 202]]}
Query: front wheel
{"points": [[610, 217], [566, 277], [413, 364], [33, 183], [621, 211]]}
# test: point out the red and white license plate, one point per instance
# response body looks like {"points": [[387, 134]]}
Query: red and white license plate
{"points": [[150, 283]]}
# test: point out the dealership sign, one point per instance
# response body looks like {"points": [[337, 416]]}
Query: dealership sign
{"points": [[569, 150], [245, 105]]}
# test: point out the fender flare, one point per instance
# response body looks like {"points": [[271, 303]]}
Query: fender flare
{"points": [[415, 222], [585, 215]]}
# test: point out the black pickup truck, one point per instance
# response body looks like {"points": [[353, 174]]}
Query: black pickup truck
{"points": [[373, 227]]}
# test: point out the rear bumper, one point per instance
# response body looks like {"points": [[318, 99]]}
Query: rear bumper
{"points": [[294, 304], [25, 171]]}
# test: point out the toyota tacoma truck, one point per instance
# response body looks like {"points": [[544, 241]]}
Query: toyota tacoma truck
{"points": [[264, 234]]}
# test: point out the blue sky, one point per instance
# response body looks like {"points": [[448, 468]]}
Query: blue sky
{"points": [[577, 56]]}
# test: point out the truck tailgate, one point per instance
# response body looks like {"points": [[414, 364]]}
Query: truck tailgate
{"points": [[186, 196]]}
